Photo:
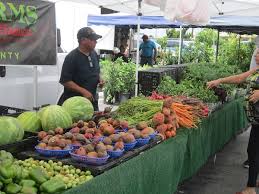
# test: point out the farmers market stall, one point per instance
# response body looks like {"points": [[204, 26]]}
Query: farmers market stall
{"points": [[163, 167]]}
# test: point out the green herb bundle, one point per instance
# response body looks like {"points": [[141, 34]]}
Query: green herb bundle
{"points": [[138, 109]]}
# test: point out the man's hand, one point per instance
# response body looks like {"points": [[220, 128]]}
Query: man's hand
{"points": [[101, 83], [213, 84], [154, 60], [88, 95], [254, 97]]}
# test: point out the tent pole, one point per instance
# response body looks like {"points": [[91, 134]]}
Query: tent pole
{"points": [[180, 45], [238, 51], [137, 57], [130, 42], [217, 47], [35, 87]]}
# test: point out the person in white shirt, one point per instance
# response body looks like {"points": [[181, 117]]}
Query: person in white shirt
{"points": [[253, 63]]}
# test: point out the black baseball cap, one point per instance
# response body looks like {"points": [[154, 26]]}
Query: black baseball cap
{"points": [[87, 32]]}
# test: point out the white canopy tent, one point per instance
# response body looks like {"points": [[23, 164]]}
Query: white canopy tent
{"points": [[234, 7], [162, 7], [137, 7]]}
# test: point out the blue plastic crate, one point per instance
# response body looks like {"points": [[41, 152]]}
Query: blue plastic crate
{"points": [[89, 160], [53, 153], [129, 146], [153, 135], [115, 154], [142, 141]]}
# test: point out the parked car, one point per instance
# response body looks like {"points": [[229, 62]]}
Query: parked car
{"points": [[173, 45]]}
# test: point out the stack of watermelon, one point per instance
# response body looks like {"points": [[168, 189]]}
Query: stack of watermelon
{"points": [[48, 118], [10, 130]]}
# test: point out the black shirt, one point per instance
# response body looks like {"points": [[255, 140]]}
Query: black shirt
{"points": [[124, 58], [83, 70]]}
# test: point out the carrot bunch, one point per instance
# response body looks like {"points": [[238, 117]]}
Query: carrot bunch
{"points": [[184, 115]]}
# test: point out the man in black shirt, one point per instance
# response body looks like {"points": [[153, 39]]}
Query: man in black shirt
{"points": [[80, 73]]}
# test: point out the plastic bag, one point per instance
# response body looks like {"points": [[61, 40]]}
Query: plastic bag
{"points": [[187, 11]]}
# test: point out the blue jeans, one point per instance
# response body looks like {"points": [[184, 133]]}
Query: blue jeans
{"points": [[146, 61]]}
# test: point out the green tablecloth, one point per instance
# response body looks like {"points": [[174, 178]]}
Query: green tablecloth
{"points": [[160, 169]]}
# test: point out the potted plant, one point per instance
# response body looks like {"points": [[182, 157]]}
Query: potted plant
{"points": [[120, 80]]}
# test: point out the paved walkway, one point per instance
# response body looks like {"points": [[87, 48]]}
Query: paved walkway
{"points": [[102, 105], [226, 175]]}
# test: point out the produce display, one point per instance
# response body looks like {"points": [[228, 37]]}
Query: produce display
{"points": [[68, 128], [30, 121], [79, 108], [33, 176], [10, 130]]}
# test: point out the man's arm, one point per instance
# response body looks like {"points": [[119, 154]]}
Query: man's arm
{"points": [[234, 79], [76, 88], [155, 53]]}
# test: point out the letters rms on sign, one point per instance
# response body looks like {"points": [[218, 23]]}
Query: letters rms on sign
{"points": [[27, 32]]}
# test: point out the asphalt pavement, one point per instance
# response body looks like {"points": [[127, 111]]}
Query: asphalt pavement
{"points": [[223, 173]]}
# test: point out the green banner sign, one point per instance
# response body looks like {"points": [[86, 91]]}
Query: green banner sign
{"points": [[27, 32]]}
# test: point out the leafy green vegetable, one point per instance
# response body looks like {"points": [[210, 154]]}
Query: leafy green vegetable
{"points": [[138, 109]]}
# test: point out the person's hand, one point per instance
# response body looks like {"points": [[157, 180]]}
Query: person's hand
{"points": [[213, 84], [154, 59], [101, 83], [254, 97], [88, 95]]}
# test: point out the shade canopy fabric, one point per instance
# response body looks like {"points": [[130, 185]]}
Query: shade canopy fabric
{"points": [[234, 7], [237, 24], [216, 7], [131, 21], [147, 9]]}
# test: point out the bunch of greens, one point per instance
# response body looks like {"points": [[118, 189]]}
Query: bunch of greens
{"points": [[186, 88], [138, 109], [195, 78]]}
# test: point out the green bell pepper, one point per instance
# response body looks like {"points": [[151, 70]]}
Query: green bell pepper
{"points": [[53, 185], [6, 162], [5, 181], [28, 183], [28, 190], [18, 172], [38, 175], [25, 174], [7, 171], [4, 155], [1, 185], [12, 188]]}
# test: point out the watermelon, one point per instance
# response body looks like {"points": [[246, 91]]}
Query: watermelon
{"points": [[40, 112], [55, 116], [79, 108], [10, 130], [30, 121]]}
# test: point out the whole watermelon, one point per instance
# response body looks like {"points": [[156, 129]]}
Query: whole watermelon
{"points": [[40, 112], [55, 116], [10, 130], [30, 121], [79, 108]]}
